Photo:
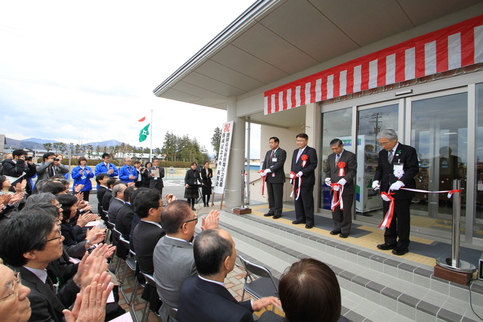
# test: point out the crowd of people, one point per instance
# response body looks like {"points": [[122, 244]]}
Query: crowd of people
{"points": [[55, 256]]}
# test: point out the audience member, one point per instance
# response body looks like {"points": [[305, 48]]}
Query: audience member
{"points": [[145, 172], [50, 166], [139, 178], [59, 158], [147, 205], [204, 298], [106, 198], [127, 173], [82, 175], [117, 200], [106, 166], [156, 174], [31, 253], [173, 255], [20, 165], [14, 303], [309, 291], [192, 180], [75, 239], [126, 213]]}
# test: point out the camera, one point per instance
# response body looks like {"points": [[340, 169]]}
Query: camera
{"points": [[56, 159], [28, 158]]}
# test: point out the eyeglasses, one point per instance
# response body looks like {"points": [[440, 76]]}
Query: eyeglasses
{"points": [[13, 286], [187, 221], [384, 143], [58, 237]]}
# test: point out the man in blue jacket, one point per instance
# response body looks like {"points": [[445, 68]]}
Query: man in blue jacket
{"points": [[127, 173], [106, 166]]}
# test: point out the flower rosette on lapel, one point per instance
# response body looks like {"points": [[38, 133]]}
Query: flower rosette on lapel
{"points": [[304, 158], [341, 166]]}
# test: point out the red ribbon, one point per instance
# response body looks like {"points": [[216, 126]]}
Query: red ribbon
{"points": [[263, 184], [293, 177], [386, 221], [337, 196]]}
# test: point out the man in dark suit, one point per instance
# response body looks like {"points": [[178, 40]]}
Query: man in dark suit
{"points": [[148, 205], [204, 298], [272, 170], [397, 166], [101, 180], [156, 174], [30, 254], [341, 170], [304, 162], [117, 201], [125, 214]]}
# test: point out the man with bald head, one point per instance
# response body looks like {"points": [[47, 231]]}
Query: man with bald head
{"points": [[204, 298]]}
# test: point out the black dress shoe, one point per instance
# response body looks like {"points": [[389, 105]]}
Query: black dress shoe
{"points": [[268, 215], [276, 216], [385, 246], [344, 235], [309, 226], [296, 222], [335, 232], [400, 252]]}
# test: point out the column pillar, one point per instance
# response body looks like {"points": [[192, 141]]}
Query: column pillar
{"points": [[312, 129], [237, 156]]}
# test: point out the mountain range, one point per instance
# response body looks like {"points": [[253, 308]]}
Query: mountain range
{"points": [[38, 144]]}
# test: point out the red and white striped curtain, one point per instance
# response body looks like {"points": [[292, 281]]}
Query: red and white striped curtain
{"points": [[449, 48]]}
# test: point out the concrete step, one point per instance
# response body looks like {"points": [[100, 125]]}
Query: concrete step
{"points": [[373, 284]]}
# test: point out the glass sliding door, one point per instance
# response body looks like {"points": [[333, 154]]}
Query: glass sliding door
{"points": [[439, 134], [371, 120], [478, 225], [336, 124]]}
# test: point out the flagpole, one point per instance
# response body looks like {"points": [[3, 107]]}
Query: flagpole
{"points": [[151, 139]]}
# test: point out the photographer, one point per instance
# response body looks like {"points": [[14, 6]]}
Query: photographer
{"points": [[19, 165], [50, 166]]}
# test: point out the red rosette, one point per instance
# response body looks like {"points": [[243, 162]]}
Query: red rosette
{"points": [[341, 166], [304, 158]]}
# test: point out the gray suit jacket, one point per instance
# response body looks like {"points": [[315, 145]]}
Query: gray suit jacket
{"points": [[173, 262]]}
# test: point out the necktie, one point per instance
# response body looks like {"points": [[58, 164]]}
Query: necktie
{"points": [[271, 156], [390, 156], [337, 157], [298, 155], [49, 283]]}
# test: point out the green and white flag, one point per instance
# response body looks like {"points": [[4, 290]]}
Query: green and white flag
{"points": [[144, 133]]}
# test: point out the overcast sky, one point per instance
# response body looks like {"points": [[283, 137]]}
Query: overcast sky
{"points": [[84, 71]]}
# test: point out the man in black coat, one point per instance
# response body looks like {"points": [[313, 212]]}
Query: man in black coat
{"points": [[272, 170], [156, 174], [397, 166], [304, 162], [203, 297], [148, 206], [18, 166], [341, 169], [117, 201]]}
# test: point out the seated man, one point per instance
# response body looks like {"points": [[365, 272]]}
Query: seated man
{"points": [[106, 198], [148, 205], [30, 254], [101, 180], [117, 200], [125, 214], [309, 291], [173, 255], [204, 298]]}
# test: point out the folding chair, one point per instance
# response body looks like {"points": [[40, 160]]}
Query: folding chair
{"points": [[263, 286], [130, 262]]}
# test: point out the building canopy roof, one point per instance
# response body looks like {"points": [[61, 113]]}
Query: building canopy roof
{"points": [[275, 39]]}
